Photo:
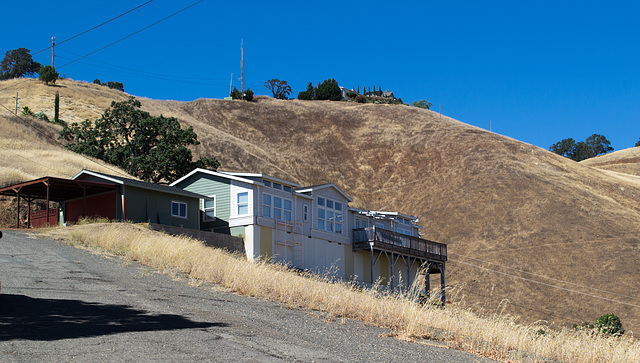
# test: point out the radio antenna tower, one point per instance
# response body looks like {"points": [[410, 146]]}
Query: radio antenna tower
{"points": [[242, 66]]}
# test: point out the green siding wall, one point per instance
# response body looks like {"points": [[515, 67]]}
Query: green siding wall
{"points": [[209, 185], [142, 205]]}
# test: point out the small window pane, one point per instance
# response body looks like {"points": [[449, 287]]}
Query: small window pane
{"points": [[174, 209], [277, 214], [320, 224], [209, 215], [287, 204], [266, 183], [243, 209], [209, 203], [286, 188], [277, 202], [329, 203], [183, 210], [287, 215], [321, 202], [266, 199], [243, 197], [277, 186], [266, 211], [338, 228], [338, 206], [321, 213]]}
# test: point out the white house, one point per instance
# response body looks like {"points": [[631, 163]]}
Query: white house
{"points": [[313, 228]]}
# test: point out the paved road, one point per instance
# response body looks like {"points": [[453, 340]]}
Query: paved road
{"points": [[60, 303]]}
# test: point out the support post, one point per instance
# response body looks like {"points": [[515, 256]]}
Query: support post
{"points": [[372, 262], [427, 284], [18, 211], [46, 223], [29, 213], [442, 285]]}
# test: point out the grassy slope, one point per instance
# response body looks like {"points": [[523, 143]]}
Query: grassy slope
{"points": [[488, 196]]}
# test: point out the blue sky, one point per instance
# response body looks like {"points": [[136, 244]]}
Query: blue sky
{"points": [[538, 71]]}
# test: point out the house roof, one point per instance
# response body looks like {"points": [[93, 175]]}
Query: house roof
{"points": [[138, 184], [218, 174], [323, 186], [58, 189], [262, 176]]}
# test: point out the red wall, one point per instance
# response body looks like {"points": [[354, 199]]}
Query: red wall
{"points": [[103, 205], [38, 219]]}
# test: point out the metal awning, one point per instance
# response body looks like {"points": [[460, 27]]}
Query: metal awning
{"points": [[53, 189]]}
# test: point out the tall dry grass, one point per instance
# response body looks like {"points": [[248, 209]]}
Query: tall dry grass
{"points": [[497, 337]]}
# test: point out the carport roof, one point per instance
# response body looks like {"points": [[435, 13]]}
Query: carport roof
{"points": [[58, 189]]}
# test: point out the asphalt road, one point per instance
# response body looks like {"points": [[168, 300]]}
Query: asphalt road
{"points": [[60, 303]]}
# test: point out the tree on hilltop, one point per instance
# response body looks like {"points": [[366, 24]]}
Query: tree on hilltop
{"points": [[151, 148], [279, 89], [593, 146], [329, 90], [422, 104], [18, 63], [48, 74]]}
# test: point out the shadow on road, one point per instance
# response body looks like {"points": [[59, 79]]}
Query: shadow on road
{"points": [[24, 317]]}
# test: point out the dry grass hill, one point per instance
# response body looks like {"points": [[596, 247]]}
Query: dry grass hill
{"points": [[530, 233]]}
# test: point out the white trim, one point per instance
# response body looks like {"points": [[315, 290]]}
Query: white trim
{"points": [[262, 176], [186, 209], [324, 186], [215, 173], [97, 175]]}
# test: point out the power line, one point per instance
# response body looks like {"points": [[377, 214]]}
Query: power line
{"points": [[122, 69], [134, 33], [546, 284], [95, 27], [546, 277]]}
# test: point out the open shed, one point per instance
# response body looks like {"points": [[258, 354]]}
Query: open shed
{"points": [[52, 189]]}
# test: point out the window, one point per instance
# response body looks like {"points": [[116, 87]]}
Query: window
{"points": [[404, 231], [266, 205], [361, 223], [179, 209], [286, 188], [407, 222], [277, 186], [380, 225], [329, 215], [209, 209], [276, 207], [266, 183], [243, 203]]}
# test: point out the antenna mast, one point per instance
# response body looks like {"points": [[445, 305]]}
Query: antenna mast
{"points": [[242, 66], [231, 84]]}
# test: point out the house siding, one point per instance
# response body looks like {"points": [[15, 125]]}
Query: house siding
{"points": [[210, 185]]}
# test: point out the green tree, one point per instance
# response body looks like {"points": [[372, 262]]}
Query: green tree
{"points": [[56, 108], [593, 146], [18, 63], [279, 89], [248, 95], [236, 94], [309, 94], [329, 90], [564, 147], [48, 74], [609, 324], [115, 85], [637, 143], [422, 104], [152, 148]]}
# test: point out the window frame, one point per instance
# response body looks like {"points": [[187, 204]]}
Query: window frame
{"points": [[329, 218], [243, 204], [179, 204], [204, 209]]}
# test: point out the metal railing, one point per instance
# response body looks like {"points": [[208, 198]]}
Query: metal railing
{"points": [[399, 242]]}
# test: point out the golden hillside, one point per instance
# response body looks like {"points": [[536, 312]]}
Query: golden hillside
{"points": [[556, 238], [624, 161]]}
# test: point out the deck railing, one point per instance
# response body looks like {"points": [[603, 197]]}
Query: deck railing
{"points": [[398, 242]]}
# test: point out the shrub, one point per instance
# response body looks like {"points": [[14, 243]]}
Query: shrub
{"points": [[236, 94], [609, 324], [41, 116], [27, 111], [116, 85], [248, 94], [48, 74], [361, 99], [97, 81]]}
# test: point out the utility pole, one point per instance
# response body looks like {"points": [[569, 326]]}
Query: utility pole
{"points": [[242, 67], [16, 104], [53, 45]]}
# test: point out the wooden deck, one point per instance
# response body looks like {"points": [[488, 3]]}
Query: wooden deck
{"points": [[385, 240]]}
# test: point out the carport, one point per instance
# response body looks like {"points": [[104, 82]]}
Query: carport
{"points": [[51, 189]]}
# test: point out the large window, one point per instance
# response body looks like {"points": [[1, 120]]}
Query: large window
{"points": [[243, 203], [209, 209], [329, 215], [276, 207], [179, 209]]}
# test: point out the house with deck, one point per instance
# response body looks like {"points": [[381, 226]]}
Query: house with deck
{"points": [[314, 228]]}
